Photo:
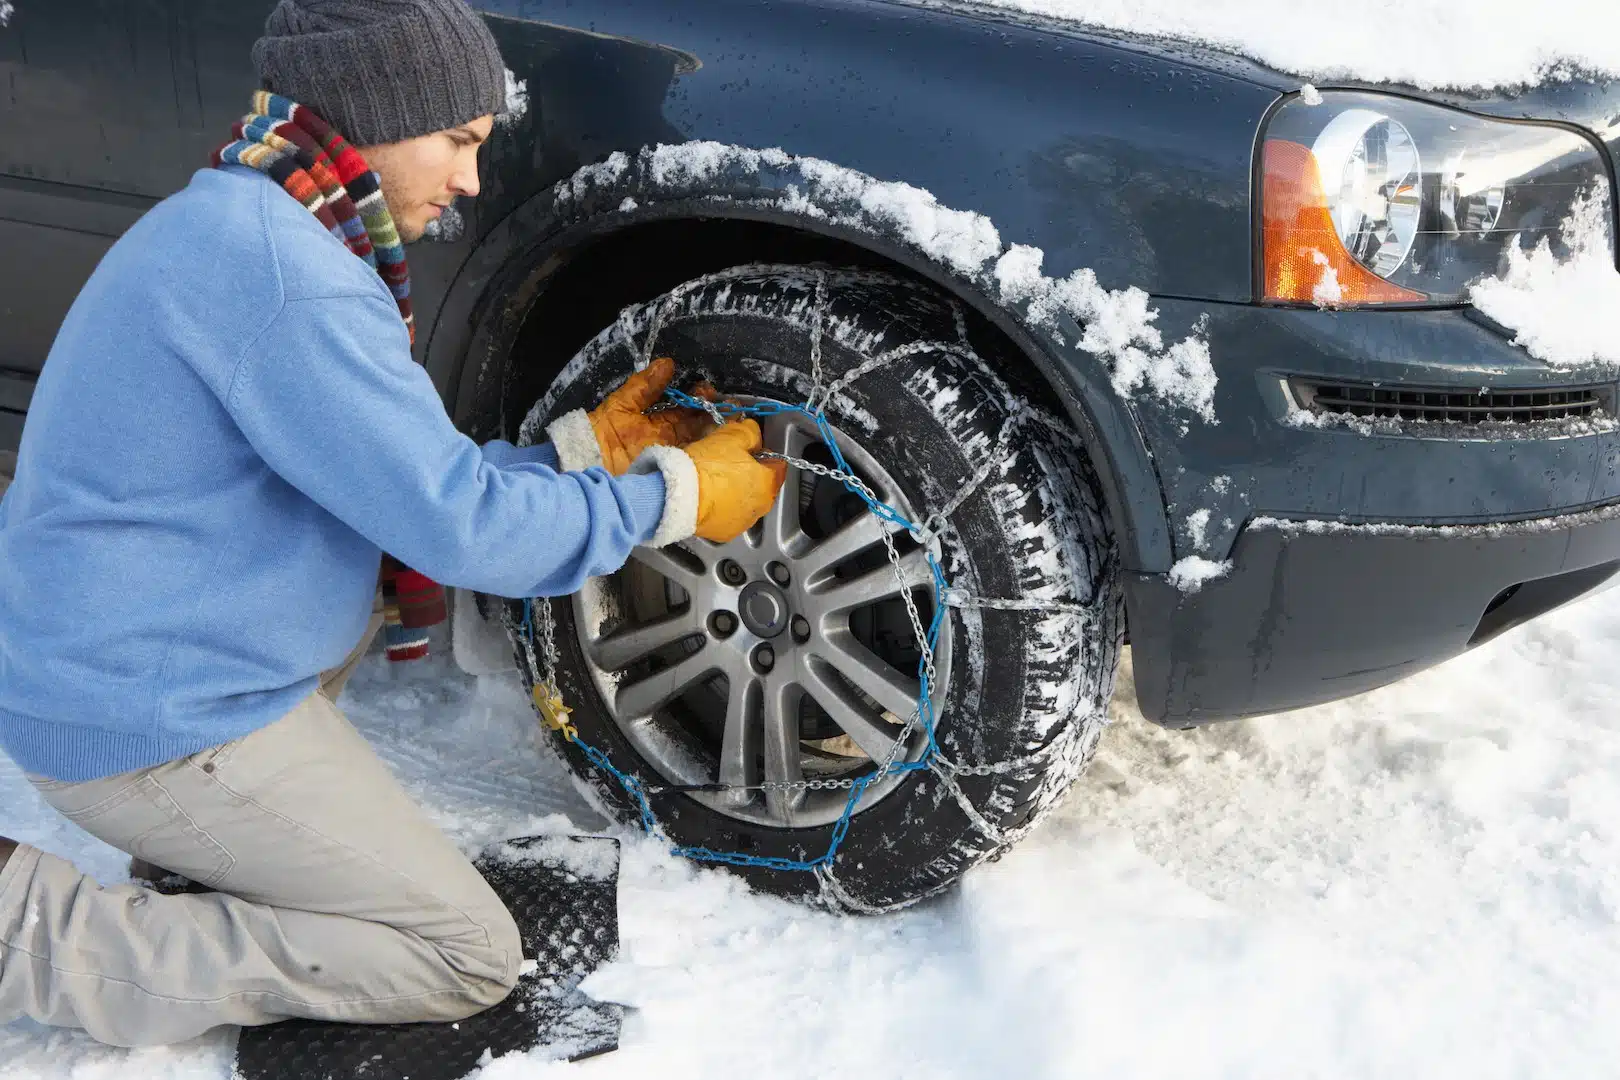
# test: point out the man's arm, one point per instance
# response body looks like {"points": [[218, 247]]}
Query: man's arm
{"points": [[330, 397], [500, 453]]}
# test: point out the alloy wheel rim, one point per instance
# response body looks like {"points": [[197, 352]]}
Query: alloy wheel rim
{"points": [[748, 629]]}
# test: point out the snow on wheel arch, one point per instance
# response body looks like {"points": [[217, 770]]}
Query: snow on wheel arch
{"points": [[1114, 325]]}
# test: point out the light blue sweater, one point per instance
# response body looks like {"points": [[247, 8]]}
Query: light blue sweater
{"points": [[228, 431]]}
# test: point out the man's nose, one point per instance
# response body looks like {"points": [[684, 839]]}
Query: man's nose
{"points": [[465, 182]]}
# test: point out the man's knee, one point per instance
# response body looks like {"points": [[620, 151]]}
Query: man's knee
{"points": [[490, 968], [507, 946]]}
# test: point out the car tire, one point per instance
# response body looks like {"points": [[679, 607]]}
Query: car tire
{"points": [[1025, 686]]}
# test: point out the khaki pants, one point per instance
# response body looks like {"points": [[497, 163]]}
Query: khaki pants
{"points": [[338, 899]]}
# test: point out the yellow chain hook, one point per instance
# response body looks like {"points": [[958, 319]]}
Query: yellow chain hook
{"points": [[548, 699]]}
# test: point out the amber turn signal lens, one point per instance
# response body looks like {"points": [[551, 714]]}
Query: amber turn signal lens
{"points": [[1304, 259]]}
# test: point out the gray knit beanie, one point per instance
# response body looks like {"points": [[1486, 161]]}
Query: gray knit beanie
{"points": [[380, 71]]}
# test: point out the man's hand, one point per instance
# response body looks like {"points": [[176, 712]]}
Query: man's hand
{"points": [[623, 428], [614, 434], [734, 489]]}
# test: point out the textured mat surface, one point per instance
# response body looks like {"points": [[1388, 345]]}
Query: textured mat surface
{"points": [[563, 892]]}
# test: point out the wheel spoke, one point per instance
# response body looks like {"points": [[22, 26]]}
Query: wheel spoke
{"points": [[642, 697], [662, 562], [741, 742], [867, 671], [782, 760], [782, 532], [873, 736], [876, 584], [624, 648], [853, 537]]}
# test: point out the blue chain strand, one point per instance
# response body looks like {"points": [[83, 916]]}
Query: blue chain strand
{"points": [[925, 705]]}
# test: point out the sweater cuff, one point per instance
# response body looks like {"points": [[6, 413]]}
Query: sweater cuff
{"points": [[679, 518], [644, 495], [575, 440]]}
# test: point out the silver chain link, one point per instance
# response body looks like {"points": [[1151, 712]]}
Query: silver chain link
{"points": [[818, 320]]}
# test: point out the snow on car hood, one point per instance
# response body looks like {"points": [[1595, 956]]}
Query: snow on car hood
{"points": [[1428, 43]]}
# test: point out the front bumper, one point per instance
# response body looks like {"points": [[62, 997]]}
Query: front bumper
{"points": [[1311, 611]]}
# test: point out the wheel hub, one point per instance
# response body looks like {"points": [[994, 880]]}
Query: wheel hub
{"points": [[764, 609]]}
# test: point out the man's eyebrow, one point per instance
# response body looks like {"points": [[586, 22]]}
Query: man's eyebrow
{"points": [[464, 130]]}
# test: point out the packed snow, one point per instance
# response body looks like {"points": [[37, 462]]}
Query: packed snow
{"points": [[1420, 881], [6, 11], [1487, 43]]}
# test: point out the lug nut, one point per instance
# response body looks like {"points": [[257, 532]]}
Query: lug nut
{"points": [[732, 573], [801, 628], [723, 623], [764, 658], [779, 573]]}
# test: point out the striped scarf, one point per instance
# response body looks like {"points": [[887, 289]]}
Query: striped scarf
{"points": [[318, 167]]}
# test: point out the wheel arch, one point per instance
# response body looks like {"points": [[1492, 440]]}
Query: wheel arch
{"points": [[620, 233]]}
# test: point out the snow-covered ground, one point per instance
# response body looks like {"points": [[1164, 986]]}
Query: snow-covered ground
{"points": [[1422, 881]]}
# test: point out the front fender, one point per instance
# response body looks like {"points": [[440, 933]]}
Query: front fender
{"points": [[1124, 156]]}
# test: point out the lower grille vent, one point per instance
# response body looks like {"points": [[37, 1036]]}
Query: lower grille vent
{"points": [[1450, 406]]}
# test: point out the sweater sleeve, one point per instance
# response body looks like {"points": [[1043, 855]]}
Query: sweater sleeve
{"points": [[499, 452], [330, 397]]}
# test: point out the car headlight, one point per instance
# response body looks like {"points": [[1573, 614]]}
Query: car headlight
{"points": [[1368, 199]]}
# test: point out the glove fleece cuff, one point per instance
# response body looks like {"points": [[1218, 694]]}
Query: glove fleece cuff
{"points": [[575, 440], [680, 516]]}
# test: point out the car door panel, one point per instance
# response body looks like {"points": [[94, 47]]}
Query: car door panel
{"points": [[106, 106]]}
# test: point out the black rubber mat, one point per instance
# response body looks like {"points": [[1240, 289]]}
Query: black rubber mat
{"points": [[563, 892]]}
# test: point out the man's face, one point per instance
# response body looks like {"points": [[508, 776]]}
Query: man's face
{"points": [[421, 176]]}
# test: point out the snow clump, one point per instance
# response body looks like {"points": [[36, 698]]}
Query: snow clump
{"points": [[517, 99], [1560, 307], [1198, 528], [1327, 292], [1118, 324], [1189, 574]]}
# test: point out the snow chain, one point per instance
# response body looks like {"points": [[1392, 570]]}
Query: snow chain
{"points": [[537, 614]]}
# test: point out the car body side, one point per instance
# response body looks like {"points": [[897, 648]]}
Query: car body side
{"points": [[1132, 158]]}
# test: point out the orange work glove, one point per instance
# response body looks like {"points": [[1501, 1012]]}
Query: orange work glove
{"points": [[734, 489], [620, 428], [714, 487]]}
